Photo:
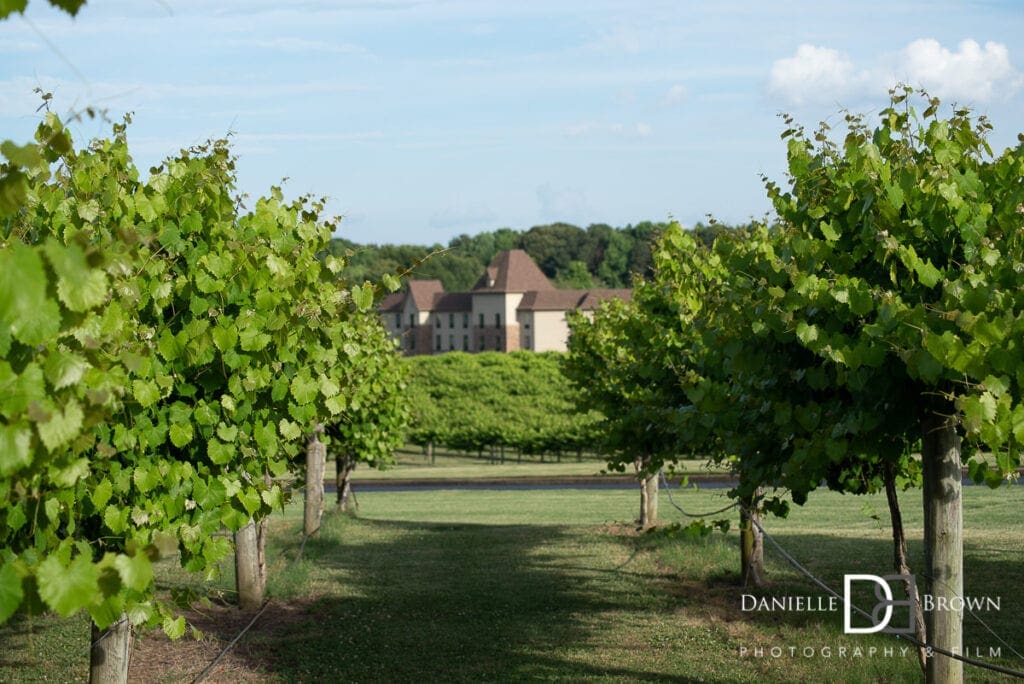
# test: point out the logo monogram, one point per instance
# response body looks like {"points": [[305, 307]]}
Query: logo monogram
{"points": [[884, 606]]}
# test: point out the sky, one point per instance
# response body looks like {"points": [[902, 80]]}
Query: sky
{"points": [[423, 120]]}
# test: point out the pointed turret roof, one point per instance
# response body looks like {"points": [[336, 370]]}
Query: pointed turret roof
{"points": [[512, 271]]}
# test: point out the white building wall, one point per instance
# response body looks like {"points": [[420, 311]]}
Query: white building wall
{"points": [[549, 331]]}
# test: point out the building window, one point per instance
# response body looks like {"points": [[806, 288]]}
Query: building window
{"points": [[412, 320], [438, 343], [438, 321], [483, 342], [465, 343], [398, 320], [451, 320], [526, 325], [481, 320], [527, 345], [451, 343], [465, 320], [497, 320]]}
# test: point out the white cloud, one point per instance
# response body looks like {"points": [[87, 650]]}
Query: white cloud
{"points": [[12, 46], [814, 74], [298, 45], [483, 29], [562, 203], [21, 100], [462, 216], [593, 128], [973, 72], [676, 94]]}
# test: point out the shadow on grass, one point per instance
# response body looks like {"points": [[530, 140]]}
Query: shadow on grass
{"points": [[404, 601], [454, 602], [992, 635]]}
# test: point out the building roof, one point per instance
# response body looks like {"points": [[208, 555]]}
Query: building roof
{"points": [[595, 297], [392, 303], [453, 301], [423, 293], [512, 271], [565, 300]]}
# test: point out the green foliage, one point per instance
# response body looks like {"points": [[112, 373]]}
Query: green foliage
{"points": [[812, 351], [600, 256], [8, 7], [162, 354], [622, 377], [902, 271], [473, 401]]}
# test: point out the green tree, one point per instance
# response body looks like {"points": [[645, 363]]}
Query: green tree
{"points": [[575, 277], [900, 273], [186, 351], [554, 246]]}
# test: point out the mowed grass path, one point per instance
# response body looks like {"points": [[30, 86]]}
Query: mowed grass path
{"points": [[557, 586]]}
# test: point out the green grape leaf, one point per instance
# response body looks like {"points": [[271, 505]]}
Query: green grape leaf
{"points": [[64, 369], [363, 296], [218, 452], [66, 589], [136, 571], [174, 627], [62, 427], [78, 286], [11, 592], [30, 315], [115, 519], [145, 392], [181, 434], [15, 452], [16, 517], [250, 500], [101, 494], [289, 430], [228, 433], [304, 388]]}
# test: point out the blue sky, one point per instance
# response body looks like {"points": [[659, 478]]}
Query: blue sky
{"points": [[424, 120]]}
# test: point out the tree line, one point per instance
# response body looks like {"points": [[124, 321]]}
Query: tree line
{"points": [[599, 256]]}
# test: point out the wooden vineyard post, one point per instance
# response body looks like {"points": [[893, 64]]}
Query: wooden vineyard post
{"points": [[316, 460], [249, 576], [943, 541], [110, 653]]}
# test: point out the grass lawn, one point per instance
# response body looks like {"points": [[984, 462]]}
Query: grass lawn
{"points": [[411, 463], [554, 585]]}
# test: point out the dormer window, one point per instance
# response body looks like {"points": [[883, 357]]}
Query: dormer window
{"points": [[490, 282]]}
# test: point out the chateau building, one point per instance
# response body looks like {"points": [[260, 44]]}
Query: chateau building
{"points": [[513, 306]]}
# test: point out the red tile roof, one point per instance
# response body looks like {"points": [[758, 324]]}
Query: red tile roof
{"points": [[423, 293], [565, 300], [392, 303], [510, 271], [513, 271]]}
